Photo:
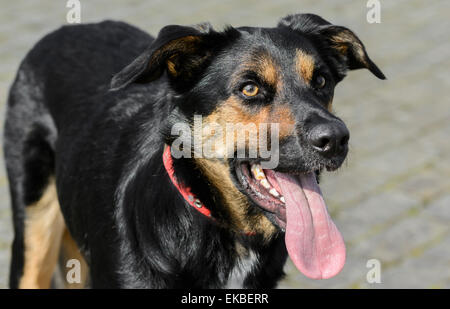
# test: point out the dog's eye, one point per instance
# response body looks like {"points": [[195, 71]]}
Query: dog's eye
{"points": [[319, 81], [250, 90]]}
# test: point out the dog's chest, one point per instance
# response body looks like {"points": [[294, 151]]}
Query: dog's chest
{"points": [[245, 264]]}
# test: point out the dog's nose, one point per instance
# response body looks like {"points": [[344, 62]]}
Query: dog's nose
{"points": [[329, 138]]}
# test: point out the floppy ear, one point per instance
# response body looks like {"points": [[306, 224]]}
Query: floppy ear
{"points": [[180, 50], [346, 45]]}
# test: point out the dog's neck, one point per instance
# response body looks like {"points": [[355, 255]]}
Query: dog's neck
{"points": [[184, 190]]}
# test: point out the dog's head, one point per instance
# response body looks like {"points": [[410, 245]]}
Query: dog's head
{"points": [[265, 85]]}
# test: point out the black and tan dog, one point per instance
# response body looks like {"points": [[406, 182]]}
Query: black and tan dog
{"points": [[84, 154]]}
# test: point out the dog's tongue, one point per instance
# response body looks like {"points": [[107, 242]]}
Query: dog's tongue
{"points": [[313, 242]]}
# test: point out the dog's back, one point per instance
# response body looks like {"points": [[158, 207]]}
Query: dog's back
{"points": [[51, 91]]}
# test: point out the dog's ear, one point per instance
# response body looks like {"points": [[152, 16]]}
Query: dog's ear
{"points": [[346, 45], [182, 51]]}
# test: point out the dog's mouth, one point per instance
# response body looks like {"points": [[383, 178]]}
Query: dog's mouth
{"points": [[294, 202], [264, 192]]}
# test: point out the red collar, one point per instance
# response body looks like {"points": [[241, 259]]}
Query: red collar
{"points": [[184, 191]]}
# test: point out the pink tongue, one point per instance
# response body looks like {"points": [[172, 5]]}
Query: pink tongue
{"points": [[313, 242]]}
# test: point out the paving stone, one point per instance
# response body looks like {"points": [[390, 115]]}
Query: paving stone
{"points": [[401, 240], [376, 210], [431, 269], [440, 209]]}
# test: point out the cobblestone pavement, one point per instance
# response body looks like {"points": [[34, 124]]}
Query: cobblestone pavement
{"points": [[391, 199]]}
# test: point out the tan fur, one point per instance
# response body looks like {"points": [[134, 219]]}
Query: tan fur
{"points": [[263, 65], [186, 45], [330, 105], [171, 65], [345, 39], [304, 64], [217, 171], [233, 111], [44, 227], [218, 175], [47, 239], [268, 70]]}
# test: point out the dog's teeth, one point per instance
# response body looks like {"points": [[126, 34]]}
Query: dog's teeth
{"points": [[258, 172], [282, 199], [265, 183], [274, 192]]}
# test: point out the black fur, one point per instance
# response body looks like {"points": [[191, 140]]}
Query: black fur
{"points": [[104, 146]]}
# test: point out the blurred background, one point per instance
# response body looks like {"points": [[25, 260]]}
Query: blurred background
{"points": [[391, 200]]}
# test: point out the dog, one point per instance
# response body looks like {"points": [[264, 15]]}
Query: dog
{"points": [[93, 177]]}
